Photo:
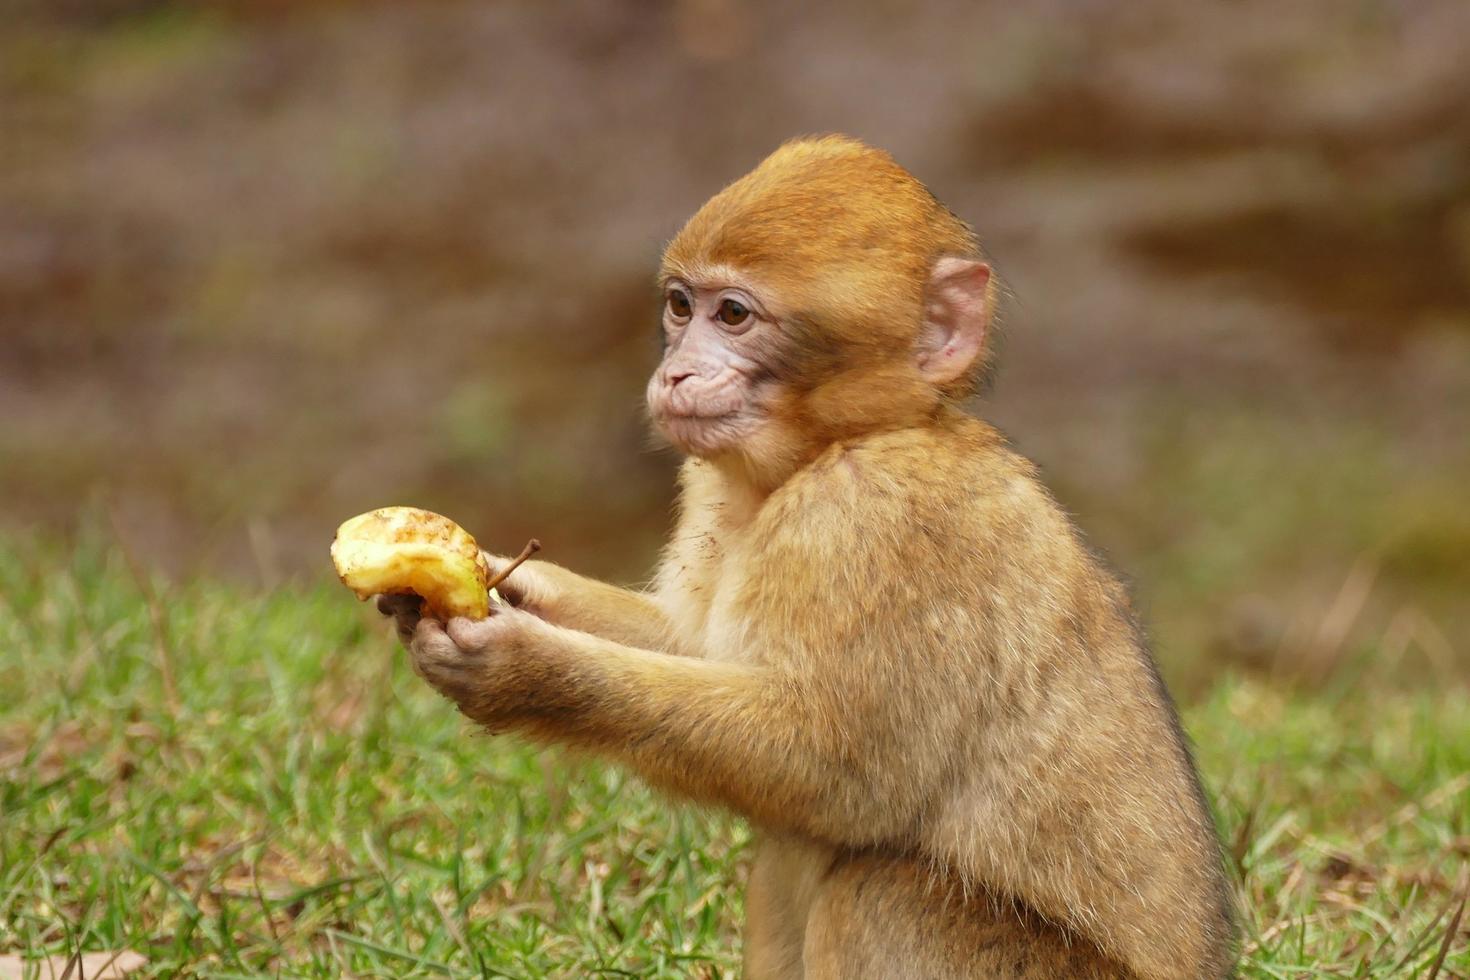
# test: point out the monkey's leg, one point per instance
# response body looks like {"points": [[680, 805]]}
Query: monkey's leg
{"points": [[888, 918], [783, 881]]}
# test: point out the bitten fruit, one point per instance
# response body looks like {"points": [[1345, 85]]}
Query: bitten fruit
{"points": [[403, 550]]}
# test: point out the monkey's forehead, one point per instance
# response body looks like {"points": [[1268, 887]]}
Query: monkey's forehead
{"points": [[702, 275]]}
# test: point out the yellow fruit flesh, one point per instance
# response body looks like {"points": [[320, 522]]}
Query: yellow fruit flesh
{"points": [[399, 550]]}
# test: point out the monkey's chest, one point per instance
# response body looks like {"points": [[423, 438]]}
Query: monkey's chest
{"points": [[725, 629], [708, 587]]}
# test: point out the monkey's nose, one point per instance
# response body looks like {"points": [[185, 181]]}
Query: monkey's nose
{"points": [[676, 376]]}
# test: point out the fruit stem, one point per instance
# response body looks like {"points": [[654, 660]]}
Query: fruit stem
{"points": [[530, 549]]}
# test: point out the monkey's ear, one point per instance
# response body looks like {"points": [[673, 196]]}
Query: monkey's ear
{"points": [[956, 319]]}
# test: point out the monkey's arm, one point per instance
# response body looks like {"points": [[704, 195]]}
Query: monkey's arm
{"points": [[752, 738], [577, 602]]}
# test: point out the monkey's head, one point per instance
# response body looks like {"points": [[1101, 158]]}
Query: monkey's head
{"points": [[822, 296]]}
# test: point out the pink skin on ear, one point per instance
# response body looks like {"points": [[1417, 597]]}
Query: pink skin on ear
{"points": [[956, 320]]}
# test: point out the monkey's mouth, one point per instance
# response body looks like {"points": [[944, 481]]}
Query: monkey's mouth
{"points": [[704, 435]]}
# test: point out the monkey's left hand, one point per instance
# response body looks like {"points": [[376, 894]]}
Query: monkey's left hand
{"points": [[481, 665]]}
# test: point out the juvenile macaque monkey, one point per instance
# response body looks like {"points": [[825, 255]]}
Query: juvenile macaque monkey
{"points": [[873, 632]]}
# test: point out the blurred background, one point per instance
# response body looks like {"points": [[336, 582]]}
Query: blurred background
{"points": [[267, 264]]}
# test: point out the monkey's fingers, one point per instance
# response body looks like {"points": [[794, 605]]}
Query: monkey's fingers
{"points": [[406, 611], [396, 604], [509, 587], [504, 571]]}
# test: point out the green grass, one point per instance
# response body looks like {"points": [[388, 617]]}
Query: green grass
{"points": [[303, 805]]}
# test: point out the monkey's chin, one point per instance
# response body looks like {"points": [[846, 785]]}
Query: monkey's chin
{"points": [[706, 436]]}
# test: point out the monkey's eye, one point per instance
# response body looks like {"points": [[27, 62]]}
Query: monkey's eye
{"points": [[733, 313], [679, 306]]}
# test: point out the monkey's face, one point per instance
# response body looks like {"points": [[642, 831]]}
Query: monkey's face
{"points": [[711, 391], [823, 296]]}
